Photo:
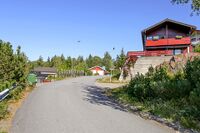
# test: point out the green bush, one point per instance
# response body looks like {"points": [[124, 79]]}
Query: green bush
{"points": [[88, 73], [3, 110], [96, 74], [175, 97], [116, 76], [16, 93], [197, 48]]}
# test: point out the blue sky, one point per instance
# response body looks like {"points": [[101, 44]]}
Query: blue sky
{"points": [[49, 27]]}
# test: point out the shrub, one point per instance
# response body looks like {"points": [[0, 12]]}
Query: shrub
{"points": [[16, 93], [175, 97], [197, 48], [192, 72], [88, 73], [96, 74], [3, 110]]}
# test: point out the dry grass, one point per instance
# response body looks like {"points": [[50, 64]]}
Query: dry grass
{"points": [[13, 105]]}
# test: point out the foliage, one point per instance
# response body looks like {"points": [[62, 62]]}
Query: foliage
{"points": [[13, 66], [197, 48], [3, 131], [195, 4], [63, 64], [120, 60], [107, 61], [16, 93], [175, 97], [14, 69], [3, 110]]}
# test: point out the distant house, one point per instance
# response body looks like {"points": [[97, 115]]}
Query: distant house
{"points": [[44, 72], [97, 70]]}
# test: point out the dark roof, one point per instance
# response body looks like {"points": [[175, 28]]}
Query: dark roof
{"points": [[170, 21], [45, 69], [192, 27]]}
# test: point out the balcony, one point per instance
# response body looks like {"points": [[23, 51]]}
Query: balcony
{"points": [[149, 53], [168, 42]]}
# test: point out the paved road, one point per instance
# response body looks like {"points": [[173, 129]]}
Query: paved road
{"points": [[77, 106]]}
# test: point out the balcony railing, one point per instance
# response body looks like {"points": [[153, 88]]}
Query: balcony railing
{"points": [[149, 53], [168, 42]]}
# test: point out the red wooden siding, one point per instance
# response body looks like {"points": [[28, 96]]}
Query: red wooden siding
{"points": [[150, 53], [168, 42]]}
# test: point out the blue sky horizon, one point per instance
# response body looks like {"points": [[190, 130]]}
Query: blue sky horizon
{"points": [[55, 27]]}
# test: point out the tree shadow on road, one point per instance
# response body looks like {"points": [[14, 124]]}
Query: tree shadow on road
{"points": [[96, 95]]}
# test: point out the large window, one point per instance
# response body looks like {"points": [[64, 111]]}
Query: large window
{"points": [[177, 51]]}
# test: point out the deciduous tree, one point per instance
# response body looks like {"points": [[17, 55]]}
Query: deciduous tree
{"points": [[195, 4]]}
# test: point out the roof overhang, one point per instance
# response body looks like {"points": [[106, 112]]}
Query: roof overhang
{"points": [[143, 33], [192, 27]]}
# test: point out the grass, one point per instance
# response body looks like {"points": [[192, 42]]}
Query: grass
{"points": [[107, 80], [3, 110], [3, 131], [15, 95], [172, 111]]}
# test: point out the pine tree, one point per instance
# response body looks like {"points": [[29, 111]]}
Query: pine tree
{"points": [[107, 61], [120, 60], [40, 61]]}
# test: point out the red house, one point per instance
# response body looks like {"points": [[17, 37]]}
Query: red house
{"points": [[97, 70], [167, 37]]}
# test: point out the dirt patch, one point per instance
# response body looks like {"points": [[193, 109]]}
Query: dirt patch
{"points": [[13, 105]]}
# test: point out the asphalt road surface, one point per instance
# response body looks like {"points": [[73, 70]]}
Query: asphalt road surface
{"points": [[77, 106]]}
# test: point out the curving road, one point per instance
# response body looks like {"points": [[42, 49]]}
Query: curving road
{"points": [[77, 106]]}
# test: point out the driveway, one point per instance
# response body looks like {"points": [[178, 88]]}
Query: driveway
{"points": [[77, 106]]}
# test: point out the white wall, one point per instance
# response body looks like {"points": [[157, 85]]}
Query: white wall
{"points": [[100, 72]]}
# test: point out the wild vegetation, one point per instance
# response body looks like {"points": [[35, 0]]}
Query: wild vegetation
{"points": [[13, 66], [175, 97], [197, 48], [62, 63], [14, 69], [195, 5]]}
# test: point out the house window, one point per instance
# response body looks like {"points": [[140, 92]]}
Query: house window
{"points": [[177, 51], [193, 39], [149, 38]]}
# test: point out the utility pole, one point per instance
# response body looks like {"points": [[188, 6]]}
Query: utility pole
{"points": [[111, 74], [112, 68]]}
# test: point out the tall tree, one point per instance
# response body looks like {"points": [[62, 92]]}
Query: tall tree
{"points": [[56, 61], [195, 4], [107, 61], [48, 64], [62, 58], [13, 65], [96, 61], [69, 62], [21, 66], [7, 64], [80, 59], [120, 60], [40, 61], [89, 61]]}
